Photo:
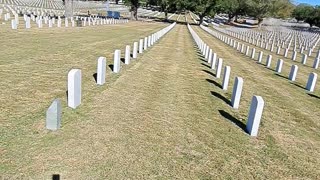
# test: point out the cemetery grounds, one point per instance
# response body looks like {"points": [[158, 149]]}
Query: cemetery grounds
{"points": [[164, 116]]}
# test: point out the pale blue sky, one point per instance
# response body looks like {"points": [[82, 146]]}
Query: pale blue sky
{"points": [[312, 2]]}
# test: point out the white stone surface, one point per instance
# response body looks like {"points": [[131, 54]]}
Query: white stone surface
{"points": [[135, 50], [226, 77], [210, 56], [53, 116], [316, 63], [286, 52], [116, 61], [255, 114], [127, 55], [74, 88], [294, 56], [260, 56], [214, 60], [145, 47], [304, 59], [269, 60], [141, 46], [253, 53], [219, 68], [293, 73], [237, 91], [101, 70], [279, 66], [312, 80]]}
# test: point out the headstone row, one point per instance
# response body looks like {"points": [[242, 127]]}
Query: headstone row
{"points": [[257, 103]]}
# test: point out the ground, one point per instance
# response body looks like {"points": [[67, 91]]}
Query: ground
{"points": [[163, 117]]}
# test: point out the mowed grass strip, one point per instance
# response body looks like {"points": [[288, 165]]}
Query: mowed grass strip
{"points": [[288, 132], [33, 68], [166, 117]]}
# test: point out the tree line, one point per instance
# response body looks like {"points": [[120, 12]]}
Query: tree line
{"points": [[307, 13], [233, 8], [257, 9]]}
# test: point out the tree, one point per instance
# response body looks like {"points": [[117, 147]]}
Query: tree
{"points": [[201, 7], [307, 13], [134, 5], [281, 8], [258, 9], [231, 7]]}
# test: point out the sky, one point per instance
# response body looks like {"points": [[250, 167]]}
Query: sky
{"points": [[312, 2]]}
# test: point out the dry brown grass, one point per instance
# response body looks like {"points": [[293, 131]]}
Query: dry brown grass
{"points": [[160, 118]]}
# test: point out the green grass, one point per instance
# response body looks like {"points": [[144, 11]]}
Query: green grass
{"points": [[162, 117]]}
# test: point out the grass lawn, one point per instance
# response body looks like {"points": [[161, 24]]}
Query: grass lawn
{"points": [[163, 117]]}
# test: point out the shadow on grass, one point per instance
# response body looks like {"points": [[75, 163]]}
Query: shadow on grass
{"points": [[281, 76], [111, 67], [298, 85], [227, 101], [211, 73], [56, 177], [122, 60], [214, 82], [95, 75], [314, 96], [233, 120], [67, 93], [206, 65]]}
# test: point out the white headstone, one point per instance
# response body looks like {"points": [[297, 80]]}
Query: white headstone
{"points": [[304, 59], [210, 56], [145, 43], [260, 56], [247, 50], [101, 70], [236, 94], [316, 63], [226, 78], [255, 114], [127, 55], [214, 60], [149, 41], [116, 61], [219, 68], [294, 55], [278, 50], [53, 116], [293, 73], [269, 60], [74, 88], [141, 46], [312, 80], [253, 53], [279, 66], [286, 52], [13, 24], [135, 50], [206, 56]]}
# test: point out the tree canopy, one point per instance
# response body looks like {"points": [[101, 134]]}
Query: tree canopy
{"points": [[258, 9], [309, 14]]}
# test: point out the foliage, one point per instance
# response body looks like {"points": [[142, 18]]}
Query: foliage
{"points": [[309, 14]]}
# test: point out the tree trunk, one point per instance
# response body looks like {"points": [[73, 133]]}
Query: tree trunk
{"points": [[230, 16], [68, 8], [236, 19], [201, 19], [166, 15], [117, 1], [134, 13], [260, 21]]}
